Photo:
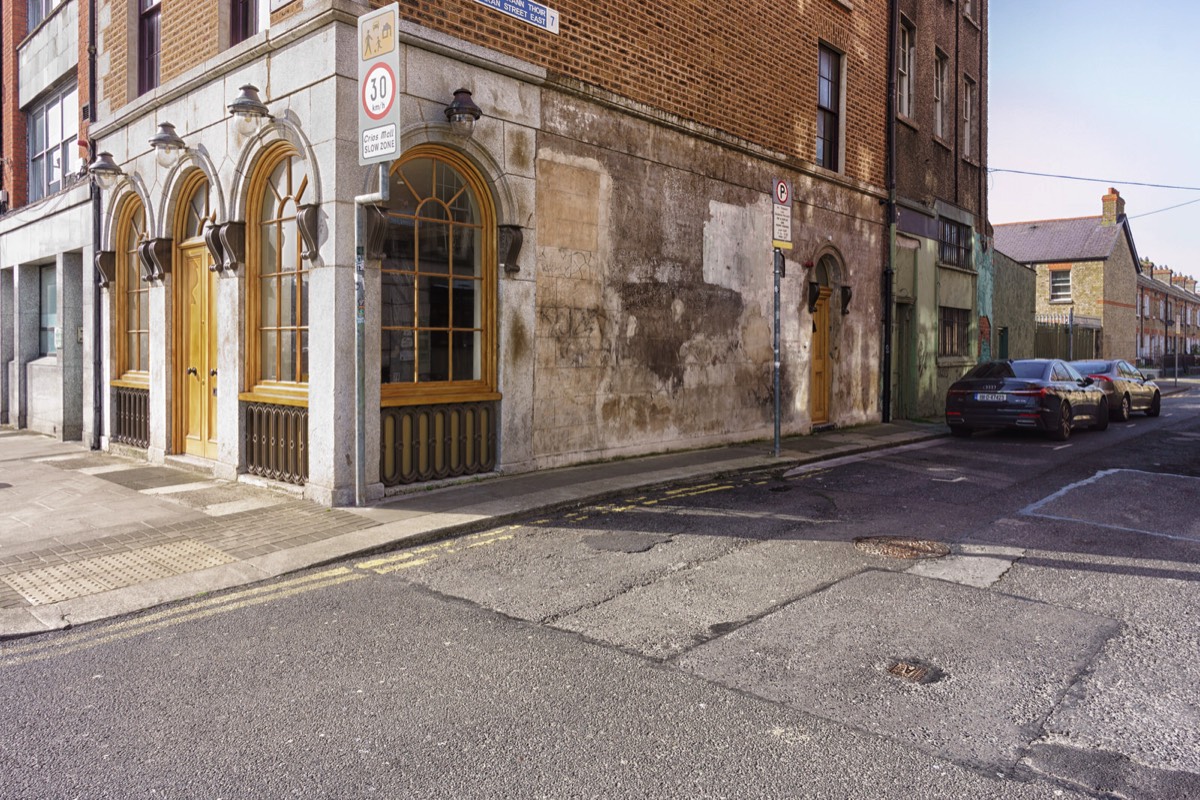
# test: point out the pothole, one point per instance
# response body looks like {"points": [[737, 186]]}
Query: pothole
{"points": [[906, 547]]}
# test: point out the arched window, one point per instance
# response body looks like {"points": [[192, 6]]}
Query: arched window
{"points": [[277, 280], [437, 281], [132, 350], [196, 212]]}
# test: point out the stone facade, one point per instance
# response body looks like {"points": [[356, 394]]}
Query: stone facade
{"points": [[638, 315]]}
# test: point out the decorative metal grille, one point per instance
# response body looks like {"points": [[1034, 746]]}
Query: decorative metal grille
{"points": [[277, 442], [132, 416], [421, 443]]}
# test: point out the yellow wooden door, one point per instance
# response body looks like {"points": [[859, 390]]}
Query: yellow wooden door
{"points": [[198, 362], [819, 388]]}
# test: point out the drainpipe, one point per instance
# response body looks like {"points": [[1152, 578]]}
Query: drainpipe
{"points": [[889, 270], [360, 332], [97, 300]]}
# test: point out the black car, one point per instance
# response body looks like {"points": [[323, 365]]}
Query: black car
{"points": [[1128, 390], [1037, 393]]}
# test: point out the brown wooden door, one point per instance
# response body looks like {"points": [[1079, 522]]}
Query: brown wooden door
{"points": [[819, 388], [198, 361]]}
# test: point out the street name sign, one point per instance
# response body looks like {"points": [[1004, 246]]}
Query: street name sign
{"points": [[379, 86], [781, 214], [535, 14]]}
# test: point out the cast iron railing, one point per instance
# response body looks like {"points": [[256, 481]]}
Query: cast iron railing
{"points": [[277, 442], [421, 443], [132, 411]]}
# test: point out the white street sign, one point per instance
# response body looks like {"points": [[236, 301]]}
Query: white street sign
{"points": [[781, 214], [379, 81]]}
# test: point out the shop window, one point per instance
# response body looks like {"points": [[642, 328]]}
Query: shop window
{"points": [[47, 310]]}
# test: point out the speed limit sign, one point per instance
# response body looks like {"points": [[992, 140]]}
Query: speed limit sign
{"points": [[379, 86]]}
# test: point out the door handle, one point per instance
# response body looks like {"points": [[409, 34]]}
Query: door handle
{"points": [[192, 371], [212, 373]]}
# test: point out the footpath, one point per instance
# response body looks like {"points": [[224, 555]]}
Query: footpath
{"points": [[87, 535]]}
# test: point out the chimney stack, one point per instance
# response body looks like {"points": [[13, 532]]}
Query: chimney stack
{"points": [[1114, 207], [1163, 274]]}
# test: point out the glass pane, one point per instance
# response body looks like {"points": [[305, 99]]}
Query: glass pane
{"points": [[70, 115], [449, 185], [287, 355], [401, 199], [143, 352], [131, 350], [46, 342], [268, 355], [268, 299], [37, 178], [54, 170], [268, 249], [466, 355], [435, 355], [304, 356], [37, 133], [143, 309], [396, 300], [287, 305], [433, 242], [303, 320], [277, 186], [396, 357], [467, 250], [399, 251], [433, 306], [54, 132], [466, 305], [418, 175], [289, 239], [49, 299]]}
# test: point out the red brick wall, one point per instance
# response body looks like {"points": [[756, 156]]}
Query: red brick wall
{"points": [[113, 84], [190, 35], [748, 68], [12, 125]]}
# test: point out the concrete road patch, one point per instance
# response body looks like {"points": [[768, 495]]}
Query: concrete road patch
{"points": [[1005, 662]]}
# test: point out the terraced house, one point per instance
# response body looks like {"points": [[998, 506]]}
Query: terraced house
{"points": [[566, 256]]}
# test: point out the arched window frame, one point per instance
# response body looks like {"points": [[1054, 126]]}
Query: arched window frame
{"points": [[131, 286], [297, 191], [484, 387]]}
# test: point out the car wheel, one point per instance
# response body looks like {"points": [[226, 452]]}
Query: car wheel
{"points": [[1126, 409], [1062, 431], [961, 431], [1155, 406], [1101, 415]]}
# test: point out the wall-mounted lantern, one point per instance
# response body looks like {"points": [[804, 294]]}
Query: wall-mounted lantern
{"points": [[168, 145], [248, 111], [462, 114], [104, 171]]}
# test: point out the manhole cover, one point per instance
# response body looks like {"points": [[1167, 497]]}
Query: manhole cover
{"points": [[914, 670], [901, 547]]}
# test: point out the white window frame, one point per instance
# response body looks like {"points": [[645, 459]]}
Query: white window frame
{"points": [[904, 69], [941, 69], [53, 152], [969, 101], [1057, 295]]}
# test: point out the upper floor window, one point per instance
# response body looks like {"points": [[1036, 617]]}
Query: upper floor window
{"points": [[246, 18], [47, 310], [53, 133], [829, 105], [1060, 286], [969, 113], [941, 69], [39, 10], [149, 43], [904, 68], [954, 248]]}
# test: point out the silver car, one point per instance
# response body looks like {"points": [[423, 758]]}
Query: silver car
{"points": [[1128, 390]]}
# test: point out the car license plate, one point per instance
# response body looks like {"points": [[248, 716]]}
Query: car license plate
{"points": [[990, 398]]}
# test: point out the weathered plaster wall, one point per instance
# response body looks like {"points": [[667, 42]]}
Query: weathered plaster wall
{"points": [[1013, 301]]}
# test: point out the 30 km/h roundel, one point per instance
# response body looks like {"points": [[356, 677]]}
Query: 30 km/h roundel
{"points": [[378, 91]]}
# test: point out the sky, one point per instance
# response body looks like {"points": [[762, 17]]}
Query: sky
{"points": [[1103, 89]]}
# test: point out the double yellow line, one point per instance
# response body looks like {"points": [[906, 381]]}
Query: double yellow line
{"points": [[15, 655]]}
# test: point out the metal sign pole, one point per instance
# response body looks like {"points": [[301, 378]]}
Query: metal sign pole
{"points": [[778, 273], [360, 331]]}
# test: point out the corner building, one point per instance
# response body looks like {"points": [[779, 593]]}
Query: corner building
{"points": [[587, 275]]}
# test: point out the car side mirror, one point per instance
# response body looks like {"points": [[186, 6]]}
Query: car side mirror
{"points": [[1086, 381]]}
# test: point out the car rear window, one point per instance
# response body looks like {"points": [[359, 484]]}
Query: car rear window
{"points": [[1029, 369], [1089, 367], [991, 369]]}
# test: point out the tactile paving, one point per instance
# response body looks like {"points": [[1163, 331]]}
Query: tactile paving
{"points": [[102, 573]]}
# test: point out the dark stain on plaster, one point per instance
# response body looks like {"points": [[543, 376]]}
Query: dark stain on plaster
{"points": [[518, 341]]}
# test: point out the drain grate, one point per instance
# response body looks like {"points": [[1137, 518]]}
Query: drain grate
{"points": [[94, 575], [914, 670], [901, 547]]}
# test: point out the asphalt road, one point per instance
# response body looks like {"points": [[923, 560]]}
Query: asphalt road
{"points": [[725, 639]]}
